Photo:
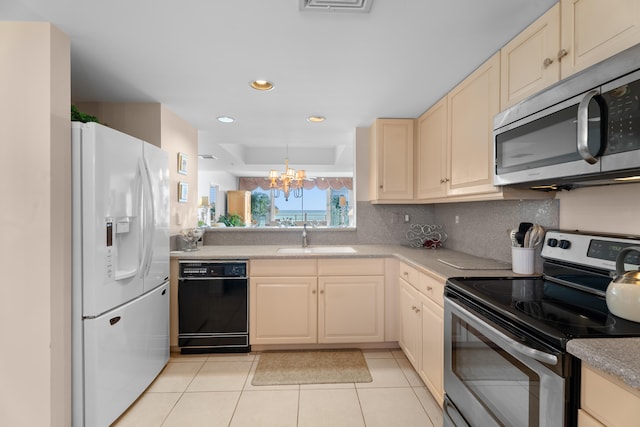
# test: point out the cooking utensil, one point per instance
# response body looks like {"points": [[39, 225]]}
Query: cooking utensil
{"points": [[512, 236], [537, 234], [623, 293], [522, 230]]}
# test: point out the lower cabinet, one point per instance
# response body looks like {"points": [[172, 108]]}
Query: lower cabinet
{"points": [[322, 301], [409, 321], [422, 326], [284, 311], [606, 400], [431, 364], [351, 309]]}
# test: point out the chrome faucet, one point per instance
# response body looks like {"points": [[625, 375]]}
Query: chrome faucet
{"points": [[305, 243]]}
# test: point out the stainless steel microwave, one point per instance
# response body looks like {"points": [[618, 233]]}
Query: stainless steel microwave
{"points": [[584, 130]]}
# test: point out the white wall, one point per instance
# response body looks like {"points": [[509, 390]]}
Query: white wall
{"points": [[361, 167], [224, 180], [35, 224], [607, 209]]}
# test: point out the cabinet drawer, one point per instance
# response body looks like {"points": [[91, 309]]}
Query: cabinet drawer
{"points": [[608, 399], [283, 268], [409, 274], [351, 267], [432, 288]]}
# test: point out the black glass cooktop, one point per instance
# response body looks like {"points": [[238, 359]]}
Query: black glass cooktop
{"points": [[552, 311]]}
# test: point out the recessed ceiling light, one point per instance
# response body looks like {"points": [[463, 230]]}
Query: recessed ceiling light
{"points": [[261, 85], [316, 119], [226, 119]]}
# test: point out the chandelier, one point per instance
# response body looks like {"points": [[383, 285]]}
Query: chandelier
{"points": [[290, 182]]}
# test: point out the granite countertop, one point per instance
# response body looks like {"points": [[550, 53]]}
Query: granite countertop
{"points": [[422, 259], [615, 356]]}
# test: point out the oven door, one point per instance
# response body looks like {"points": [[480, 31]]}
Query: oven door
{"points": [[494, 377]]}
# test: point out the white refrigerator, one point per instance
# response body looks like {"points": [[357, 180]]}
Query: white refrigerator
{"points": [[120, 289]]}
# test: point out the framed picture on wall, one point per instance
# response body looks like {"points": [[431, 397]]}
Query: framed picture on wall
{"points": [[182, 163], [183, 192]]}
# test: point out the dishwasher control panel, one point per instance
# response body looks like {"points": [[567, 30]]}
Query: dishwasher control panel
{"points": [[204, 269]]}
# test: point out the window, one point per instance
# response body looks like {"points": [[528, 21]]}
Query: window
{"points": [[324, 202]]}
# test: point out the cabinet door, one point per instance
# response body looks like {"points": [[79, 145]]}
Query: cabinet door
{"points": [[528, 62], [431, 153], [283, 310], [351, 309], [239, 202], [431, 366], [472, 105], [586, 420], [391, 152], [593, 30], [409, 322]]}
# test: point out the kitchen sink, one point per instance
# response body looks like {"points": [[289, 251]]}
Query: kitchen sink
{"points": [[318, 250]]}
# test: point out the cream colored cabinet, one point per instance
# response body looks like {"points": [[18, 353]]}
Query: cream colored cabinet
{"points": [[422, 326], [391, 160], [606, 400], [351, 300], [529, 62], [309, 301], [568, 38], [593, 30], [472, 105], [430, 169], [283, 301], [409, 322], [239, 203], [586, 420], [431, 365]]}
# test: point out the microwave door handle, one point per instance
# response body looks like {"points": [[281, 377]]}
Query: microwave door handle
{"points": [[583, 127], [533, 353]]}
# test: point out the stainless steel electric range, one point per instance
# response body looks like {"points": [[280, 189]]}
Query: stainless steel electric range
{"points": [[505, 338]]}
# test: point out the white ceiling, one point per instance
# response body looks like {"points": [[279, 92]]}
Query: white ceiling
{"points": [[197, 57]]}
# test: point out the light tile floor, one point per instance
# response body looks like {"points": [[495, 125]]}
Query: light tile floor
{"points": [[215, 390]]}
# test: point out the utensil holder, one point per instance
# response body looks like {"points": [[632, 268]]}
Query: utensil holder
{"points": [[522, 260]]}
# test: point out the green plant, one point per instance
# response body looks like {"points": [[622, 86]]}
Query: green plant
{"points": [[259, 204], [232, 220], [77, 116]]}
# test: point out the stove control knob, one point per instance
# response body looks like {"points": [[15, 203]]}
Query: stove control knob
{"points": [[564, 244], [552, 242]]}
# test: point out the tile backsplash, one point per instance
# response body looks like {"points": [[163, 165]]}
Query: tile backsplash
{"points": [[481, 228]]}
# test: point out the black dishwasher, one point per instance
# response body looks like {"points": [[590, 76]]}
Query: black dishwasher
{"points": [[213, 307]]}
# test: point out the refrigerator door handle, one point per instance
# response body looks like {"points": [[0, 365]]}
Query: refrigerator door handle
{"points": [[149, 219]]}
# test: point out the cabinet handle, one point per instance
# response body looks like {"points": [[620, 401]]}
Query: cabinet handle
{"points": [[381, 187], [413, 307], [442, 181], [562, 53], [313, 291], [417, 310], [322, 291], [547, 62], [429, 288], [405, 273]]}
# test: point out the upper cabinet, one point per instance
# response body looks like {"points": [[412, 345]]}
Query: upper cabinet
{"points": [[569, 37], [472, 105], [431, 139], [529, 61], [391, 160], [593, 30]]}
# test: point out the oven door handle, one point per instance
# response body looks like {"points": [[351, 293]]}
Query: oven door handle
{"points": [[533, 353]]}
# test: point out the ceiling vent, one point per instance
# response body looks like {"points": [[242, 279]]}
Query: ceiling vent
{"points": [[362, 6]]}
